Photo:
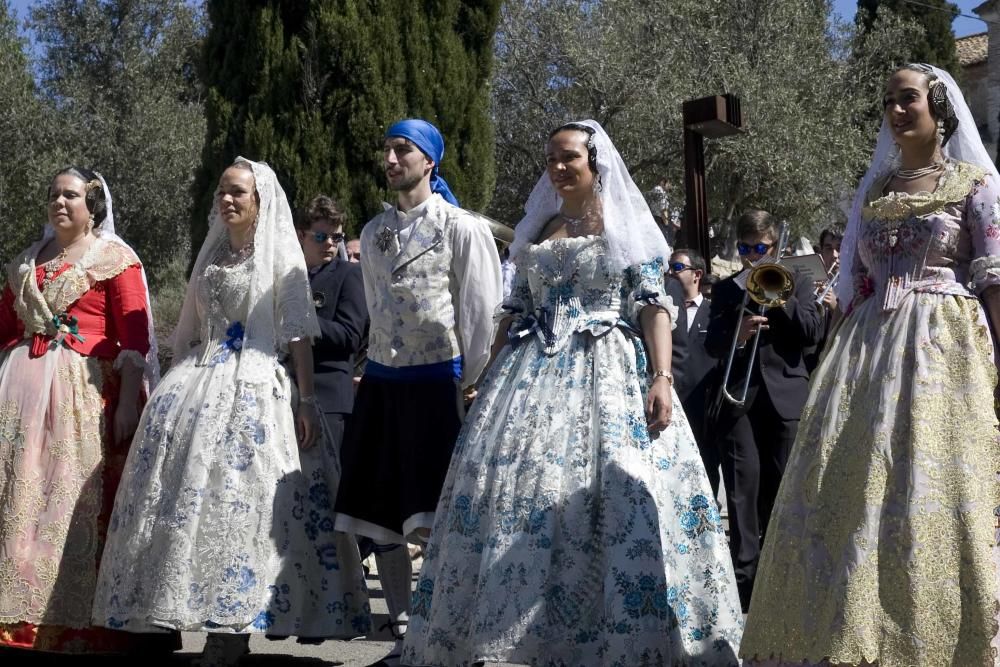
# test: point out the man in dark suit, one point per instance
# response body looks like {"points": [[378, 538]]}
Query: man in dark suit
{"points": [[694, 368], [339, 295], [756, 438]]}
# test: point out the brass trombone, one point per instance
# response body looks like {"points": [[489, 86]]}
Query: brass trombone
{"points": [[768, 284], [833, 279]]}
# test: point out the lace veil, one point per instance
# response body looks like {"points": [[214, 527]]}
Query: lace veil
{"points": [[965, 145], [281, 308], [632, 235]]}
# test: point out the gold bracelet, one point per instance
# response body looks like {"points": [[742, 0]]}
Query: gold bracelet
{"points": [[663, 374]]}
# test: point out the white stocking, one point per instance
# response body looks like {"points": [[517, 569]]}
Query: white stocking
{"points": [[395, 572]]}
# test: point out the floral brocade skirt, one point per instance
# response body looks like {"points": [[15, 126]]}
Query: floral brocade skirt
{"points": [[221, 524], [58, 477], [566, 536], [882, 546]]}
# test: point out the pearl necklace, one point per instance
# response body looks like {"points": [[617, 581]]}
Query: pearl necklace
{"points": [[229, 256], [920, 172]]}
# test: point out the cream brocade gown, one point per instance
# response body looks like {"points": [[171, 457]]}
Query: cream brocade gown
{"points": [[882, 546]]}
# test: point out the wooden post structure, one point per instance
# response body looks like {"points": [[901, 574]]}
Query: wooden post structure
{"points": [[713, 117]]}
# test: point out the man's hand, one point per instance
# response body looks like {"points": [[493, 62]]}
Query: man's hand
{"points": [[749, 326]]}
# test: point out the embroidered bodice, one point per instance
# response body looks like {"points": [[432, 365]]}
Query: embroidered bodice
{"points": [[100, 301], [566, 286], [223, 299], [947, 241]]}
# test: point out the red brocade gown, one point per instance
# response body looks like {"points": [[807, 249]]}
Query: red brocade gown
{"points": [[59, 465]]}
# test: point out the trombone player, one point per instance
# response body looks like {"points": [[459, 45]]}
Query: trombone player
{"points": [[756, 434], [826, 293]]}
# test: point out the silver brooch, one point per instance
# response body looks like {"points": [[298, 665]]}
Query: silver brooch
{"points": [[319, 299], [384, 240]]}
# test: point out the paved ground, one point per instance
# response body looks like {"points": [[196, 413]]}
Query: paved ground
{"points": [[263, 653]]}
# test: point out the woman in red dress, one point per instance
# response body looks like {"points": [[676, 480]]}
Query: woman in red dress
{"points": [[76, 359]]}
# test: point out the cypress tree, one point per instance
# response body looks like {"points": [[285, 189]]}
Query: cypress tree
{"points": [[934, 16], [310, 87]]}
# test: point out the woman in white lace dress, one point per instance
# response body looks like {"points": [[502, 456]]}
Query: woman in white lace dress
{"points": [[221, 523], [576, 525]]}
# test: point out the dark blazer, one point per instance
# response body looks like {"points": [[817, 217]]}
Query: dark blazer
{"points": [[678, 337], [690, 362], [780, 365], [339, 293], [699, 365]]}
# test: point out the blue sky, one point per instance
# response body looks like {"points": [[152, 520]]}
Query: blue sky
{"points": [[961, 26], [846, 8]]}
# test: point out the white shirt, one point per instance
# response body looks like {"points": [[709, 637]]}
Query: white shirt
{"points": [[692, 310]]}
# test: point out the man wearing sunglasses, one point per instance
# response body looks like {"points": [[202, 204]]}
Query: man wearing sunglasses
{"points": [[756, 438], [339, 294], [694, 372]]}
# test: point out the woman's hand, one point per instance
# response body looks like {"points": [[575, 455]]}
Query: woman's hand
{"points": [[469, 395], [307, 425], [126, 421], [659, 406]]}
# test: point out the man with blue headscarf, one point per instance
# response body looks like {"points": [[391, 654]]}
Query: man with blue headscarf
{"points": [[432, 283]]}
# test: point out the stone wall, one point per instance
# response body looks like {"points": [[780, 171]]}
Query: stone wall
{"points": [[990, 11]]}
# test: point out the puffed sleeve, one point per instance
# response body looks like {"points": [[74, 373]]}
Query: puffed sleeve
{"points": [[476, 266], [982, 220], [129, 312], [646, 288], [519, 303]]}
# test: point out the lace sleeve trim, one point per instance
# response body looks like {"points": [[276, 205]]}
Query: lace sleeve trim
{"points": [[984, 271], [656, 300]]}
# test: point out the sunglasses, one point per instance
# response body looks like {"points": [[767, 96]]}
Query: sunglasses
{"points": [[677, 267], [323, 237], [759, 248]]}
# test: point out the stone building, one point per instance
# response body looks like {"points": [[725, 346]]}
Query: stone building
{"points": [[979, 56]]}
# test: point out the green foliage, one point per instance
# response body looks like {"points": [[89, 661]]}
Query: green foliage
{"points": [[809, 89], [167, 299], [310, 88], [936, 46], [26, 134], [118, 78]]}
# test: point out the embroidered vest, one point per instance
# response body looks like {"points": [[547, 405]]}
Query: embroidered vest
{"points": [[413, 318]]}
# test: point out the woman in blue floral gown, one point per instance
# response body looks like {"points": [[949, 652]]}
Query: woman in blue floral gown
{"points": [[576, 526]]}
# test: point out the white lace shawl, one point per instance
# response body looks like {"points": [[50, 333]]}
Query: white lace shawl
{"points": [[280, 304], [965, 145], [632, 235]]}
